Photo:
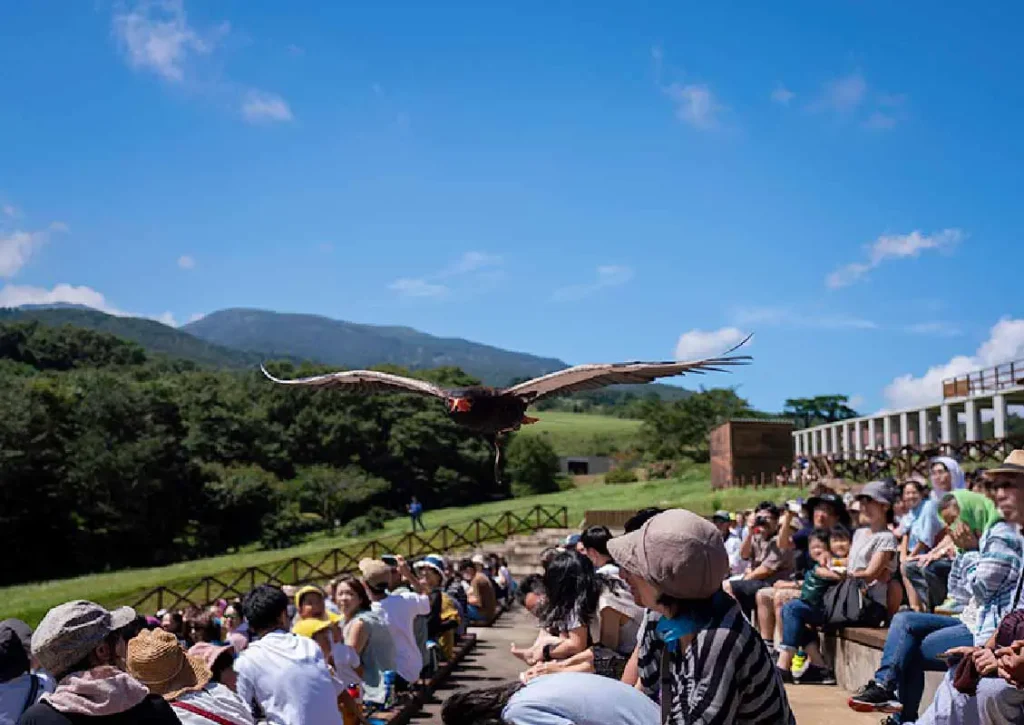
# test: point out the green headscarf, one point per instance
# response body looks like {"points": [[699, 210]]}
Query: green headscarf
{"points": [[976, 510]]}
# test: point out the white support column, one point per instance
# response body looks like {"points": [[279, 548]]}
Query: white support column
{"points": [[833, 434], [858, 439], [999, 419], [872, 434], [847, 444], [924, 435], [904, 429], [887, 432], [798, 441], [949, 424], [973, 420], [814, 442]]}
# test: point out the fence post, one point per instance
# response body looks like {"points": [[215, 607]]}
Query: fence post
{"points": [[444, 538], [537, 509], [295, 570], [159, 598], [477, 540]]}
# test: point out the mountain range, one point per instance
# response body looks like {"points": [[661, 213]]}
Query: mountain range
{"points": [[242, 338]]}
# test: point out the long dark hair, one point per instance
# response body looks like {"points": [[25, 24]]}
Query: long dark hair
{"points": [[360, 591], [573, 588]]}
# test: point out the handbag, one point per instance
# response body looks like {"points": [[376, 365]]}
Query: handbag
{"points": [[847, 605]]}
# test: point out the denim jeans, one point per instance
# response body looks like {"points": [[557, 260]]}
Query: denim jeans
{"points": [[929, 582], [796, 615], [913, 641]]}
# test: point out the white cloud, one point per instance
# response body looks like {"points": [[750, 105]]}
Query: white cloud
{"points": [[893, 246], [474, 265], [265, 107], [409, 287], [695, 104], [155, 35], [10, 211], [1005, 343], [17, 247], [196, 317], [186, 261], [841, 95], [606, 276], [698, 344], [879, 121], [12, 295], [786, 317], [782, 95], [856, 401]]}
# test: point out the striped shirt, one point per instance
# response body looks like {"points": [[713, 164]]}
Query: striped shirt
{"points": [[990, 575], [724, 676]]}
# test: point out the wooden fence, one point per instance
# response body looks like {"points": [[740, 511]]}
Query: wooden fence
{"points": [[335, 562], [900, 463]]}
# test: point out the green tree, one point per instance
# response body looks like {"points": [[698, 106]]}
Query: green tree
{"points": [[680, 428], [808, 412], [532, 465]]}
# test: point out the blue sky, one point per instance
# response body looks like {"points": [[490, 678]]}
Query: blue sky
{"points": [[595, 183]]}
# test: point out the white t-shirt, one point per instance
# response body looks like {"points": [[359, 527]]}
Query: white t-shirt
{"points": [[402, 610], [217, 699], [14, 696], [609, 569], [287, 676], [577, 698]]}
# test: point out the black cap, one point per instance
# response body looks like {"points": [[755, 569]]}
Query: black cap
{"points": [[831, 499], [13, 657], [21, 629]]}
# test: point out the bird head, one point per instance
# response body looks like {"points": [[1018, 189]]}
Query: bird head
{"points": [[459, 405]]}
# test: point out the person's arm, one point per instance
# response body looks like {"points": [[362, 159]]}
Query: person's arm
{"points": [[611, 623], [747, 547], [785, 538], [876, 568], [998, 565], [473, 597], [575, 642], [357, 636], [416, 584], [761, 572], [243, 685], [823, 572], [581, 662], [904, 544], [631, 672]]}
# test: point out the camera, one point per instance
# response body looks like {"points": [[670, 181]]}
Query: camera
{"points": [[762, 521], [390, 560]]}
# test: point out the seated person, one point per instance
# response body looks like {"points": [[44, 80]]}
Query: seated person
{"points": [[482, 600], [768, 563], [924, 576]]}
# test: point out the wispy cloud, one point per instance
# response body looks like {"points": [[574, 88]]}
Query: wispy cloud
{"points": [[18, 246], [10, 211], [934, 328], [695, 105], [787, 317], [606, 277], [186, 261], [893, 246], [155, 36], [17, 295], [471, 266], [782, 95], [841, 95], [700, 344], [851, 97], [265, 107]]}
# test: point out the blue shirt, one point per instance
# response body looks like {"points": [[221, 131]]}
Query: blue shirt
{"points": [[922, 525], [577, 698]]}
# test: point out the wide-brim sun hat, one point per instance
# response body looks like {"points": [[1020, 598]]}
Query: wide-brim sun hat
{"points": [[679, 552], [1013, 464], [157, 660]]}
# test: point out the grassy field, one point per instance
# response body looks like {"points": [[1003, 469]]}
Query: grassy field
{"points": [[579, 434], [31, 601]]}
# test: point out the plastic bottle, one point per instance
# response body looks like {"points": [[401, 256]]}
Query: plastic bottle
{"points": [[355, 692], [388, 676]]}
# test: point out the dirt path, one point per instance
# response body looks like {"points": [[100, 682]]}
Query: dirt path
{"points": [[491, 664]]}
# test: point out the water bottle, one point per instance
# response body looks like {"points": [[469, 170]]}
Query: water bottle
{"points": [[388, 677]]}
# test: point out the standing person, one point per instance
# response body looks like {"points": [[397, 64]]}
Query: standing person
{"points": [[401, 613], [415, 509], [79, 644], [157, 660], [366, 632], [284, 674], [714, 668], [768, 562], [723, 521]]}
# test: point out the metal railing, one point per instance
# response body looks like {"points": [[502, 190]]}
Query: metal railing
{"points": [[335, 562], [987, 380]]}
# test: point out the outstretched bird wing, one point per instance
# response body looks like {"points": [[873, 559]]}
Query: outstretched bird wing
{"points": [[591, 377], [365, 381]]}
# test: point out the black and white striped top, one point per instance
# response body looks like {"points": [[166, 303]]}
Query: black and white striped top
{"points": [[725, 676]]}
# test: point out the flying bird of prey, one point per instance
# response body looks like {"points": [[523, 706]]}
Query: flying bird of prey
{"points": [[498, 411]]}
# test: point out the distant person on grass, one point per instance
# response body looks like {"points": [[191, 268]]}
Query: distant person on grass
{"points": [[415, 509]]}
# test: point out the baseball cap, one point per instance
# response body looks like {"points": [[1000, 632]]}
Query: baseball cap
{"points": [[721, 516], [876, 491], [376, 573], [678, 551]]}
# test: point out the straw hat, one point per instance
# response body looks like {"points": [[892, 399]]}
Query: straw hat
{"points": [[157, 660], [1014, 464]]}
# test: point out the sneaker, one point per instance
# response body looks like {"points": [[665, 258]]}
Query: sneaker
{"points": [[786, 675], [891, 720], [874, 698], [799, 666], [815, 675]]}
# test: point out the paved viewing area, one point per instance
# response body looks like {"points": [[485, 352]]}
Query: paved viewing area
{"points": [[490, 663]]}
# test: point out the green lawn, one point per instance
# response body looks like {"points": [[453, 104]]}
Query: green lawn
{"points": [[579, 434], [31, 601]]}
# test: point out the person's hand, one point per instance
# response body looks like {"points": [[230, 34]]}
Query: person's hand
{"points": [[915, 557], [530, 655], [962, 651], [538, 670], [1015, 648], [963, 537], [1011, 669], [985, 661]]}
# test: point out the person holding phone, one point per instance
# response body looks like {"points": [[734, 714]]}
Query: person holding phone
{"points": [[768, 562]]}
